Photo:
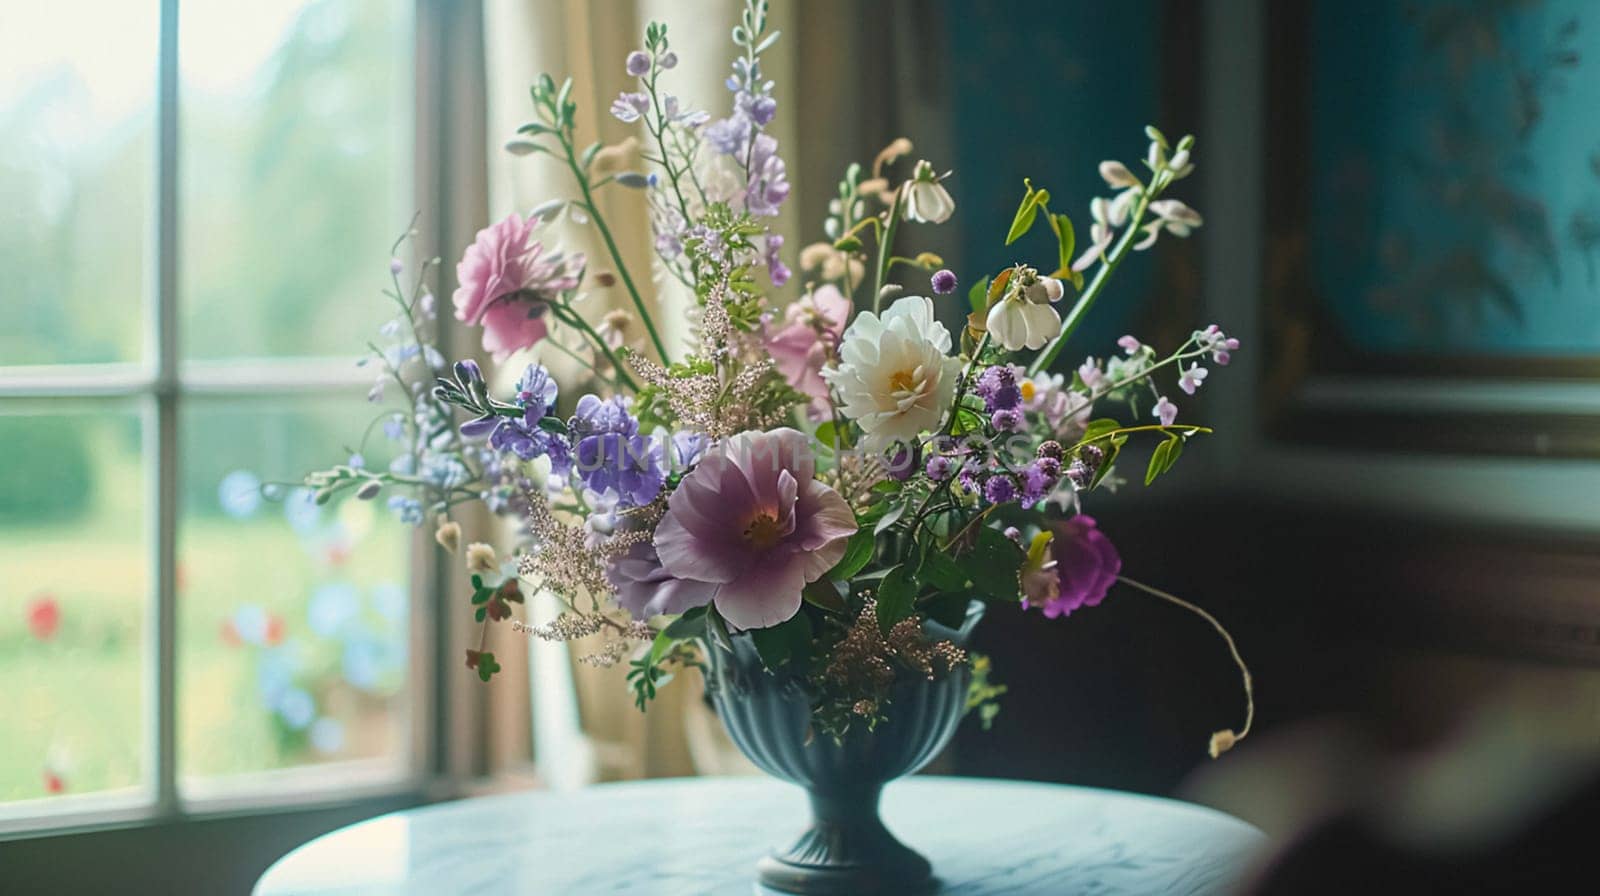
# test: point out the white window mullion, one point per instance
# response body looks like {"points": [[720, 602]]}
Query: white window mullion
{"points": [[164, 434]]}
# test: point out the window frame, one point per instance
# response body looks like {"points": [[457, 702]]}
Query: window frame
{"points": [[156, 387]]}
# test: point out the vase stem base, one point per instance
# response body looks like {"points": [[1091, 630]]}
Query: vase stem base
{"points": [[859, 860]]}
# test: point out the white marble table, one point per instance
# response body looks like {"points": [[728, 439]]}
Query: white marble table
{"points": [[703, 836]]}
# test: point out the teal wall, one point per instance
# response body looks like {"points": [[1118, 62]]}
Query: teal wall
{"points": [[1455, 175], [1047, 90]]}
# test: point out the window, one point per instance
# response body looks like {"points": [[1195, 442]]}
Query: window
{"points": [[200, 199]]}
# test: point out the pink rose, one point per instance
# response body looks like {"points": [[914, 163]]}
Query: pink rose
{"points": [[506, 284]]}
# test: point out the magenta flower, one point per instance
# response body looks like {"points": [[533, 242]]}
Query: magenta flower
{"points": [[751, 520], [813, 325], [1070, 566], [506, 282]]}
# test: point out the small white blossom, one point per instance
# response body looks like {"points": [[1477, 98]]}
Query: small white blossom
{"points": [[926, 199], [1017, 323], [1117, 176]]}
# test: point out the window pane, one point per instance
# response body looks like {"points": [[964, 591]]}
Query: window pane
{"points": [[295, 171], [77, 84], [74, 595], [292, 617]]}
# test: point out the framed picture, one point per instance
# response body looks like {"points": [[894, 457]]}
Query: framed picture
{"points": [[1432, 216]]}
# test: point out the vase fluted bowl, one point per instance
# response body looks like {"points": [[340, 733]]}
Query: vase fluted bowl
{"points": [[847, 848]]}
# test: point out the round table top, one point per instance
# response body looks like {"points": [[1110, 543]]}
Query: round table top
{"points": [[703, 836]]}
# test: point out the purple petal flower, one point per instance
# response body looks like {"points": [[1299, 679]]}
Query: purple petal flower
{"points": [[1077, 570], [637, 64], [536, 393], [628, 107], [777, 271], [646, 589], [1191, 379], [628, 465], [1130, 344], [752, 520], [1165, 411]]}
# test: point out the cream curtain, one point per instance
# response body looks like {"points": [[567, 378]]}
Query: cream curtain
{"points": [[841, 98]]}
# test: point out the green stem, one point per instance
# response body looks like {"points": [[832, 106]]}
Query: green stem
{"points": [[1184, 428], [573, 318], [611, 247], [1096, 286], [884, 245]]}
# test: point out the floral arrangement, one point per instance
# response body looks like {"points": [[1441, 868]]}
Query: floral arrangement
{"points": [[821, 477]]}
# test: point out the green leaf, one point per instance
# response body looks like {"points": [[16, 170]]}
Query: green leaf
{"points": [[941, 571], [978, 296], [785, 643], [1027, 211], [692, 624], [487, 666], [967, 420], [1066, 241], [534, 127], [1098, 428], [889, 518], [825, 593], [552, 423], [1113, 447], [828, 434], [589, 154], [993, 564], [1163, 458], [897, 593], [857, 553]]}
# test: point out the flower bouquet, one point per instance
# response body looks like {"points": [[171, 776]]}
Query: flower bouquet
{"points": [[811, 504]]}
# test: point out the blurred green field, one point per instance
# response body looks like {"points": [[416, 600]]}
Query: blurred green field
{"points": [[74, 703]]}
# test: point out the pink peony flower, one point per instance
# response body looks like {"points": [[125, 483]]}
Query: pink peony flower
{"points": [[1073, 565], [751, 520], [813, 325], [506, 281]]}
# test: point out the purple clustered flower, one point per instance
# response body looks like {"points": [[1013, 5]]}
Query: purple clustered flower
{"points": [[943, 282], [768, 186], [997, 386], [1219, 344], [1039, 480], [1000, 488], [611, 454], [938, 468], [1006, 420]]}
